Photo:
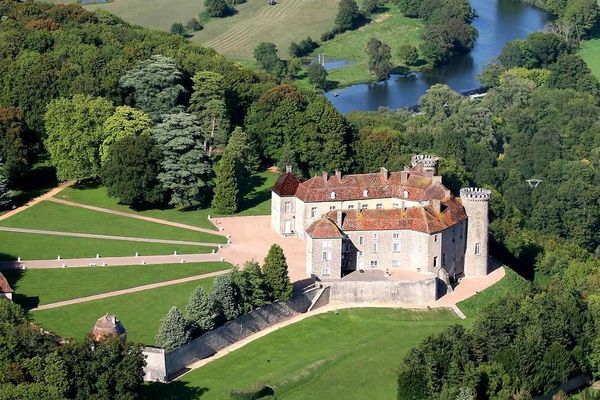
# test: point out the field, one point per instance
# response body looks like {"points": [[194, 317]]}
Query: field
{"points": [[139, 312], [45, 247], [353, 354], [43, 286], [590, 52], [256, 191], [391, 27]]}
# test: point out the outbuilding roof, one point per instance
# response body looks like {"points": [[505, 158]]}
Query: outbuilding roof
{"points": [[4, 285], [106, 326]]}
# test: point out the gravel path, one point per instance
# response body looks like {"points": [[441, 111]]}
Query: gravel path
{"points": [[129, 290], [135, 216], [107, 237], [32, 202]]}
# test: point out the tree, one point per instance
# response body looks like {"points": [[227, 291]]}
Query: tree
{"points": [[201, 310], [317, 75], [570, 71], [5, 196], [173, 331], [348, 15], [409, 54], [370, 6], [177, 28], [275, 270], [156, 86], [185, 168], [239, 148], [131, 172], [217, 8], [379, 58], [126, 121], [75, 131], [16, 144], [252, 287], [227, 194], [225, 297], [208, 104], [193, 25], [266, 56]]}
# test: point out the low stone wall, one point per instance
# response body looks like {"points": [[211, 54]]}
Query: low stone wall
{"points": [[405, 292], [161, 365]]}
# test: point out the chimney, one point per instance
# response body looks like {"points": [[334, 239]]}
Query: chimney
{"points": [[384, 173], [404, 177], [325, 176], [437, 205], [288, 168], [338, 174], [338, 219]]}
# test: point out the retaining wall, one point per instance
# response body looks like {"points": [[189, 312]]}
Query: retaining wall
{"points": [[405, 292], [162, 365]]}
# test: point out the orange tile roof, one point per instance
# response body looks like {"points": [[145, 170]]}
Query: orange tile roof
{"points": [[4, 286], [324, 228], [286, 184]]}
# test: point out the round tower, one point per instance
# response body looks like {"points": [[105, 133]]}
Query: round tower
{"points": [[429, 162], [476, 204]]}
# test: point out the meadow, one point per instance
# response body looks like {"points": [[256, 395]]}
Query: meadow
{"points": [[35, 287], [590, 52], [140, 312]]}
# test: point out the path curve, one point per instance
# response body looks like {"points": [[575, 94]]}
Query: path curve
{"points": [[135, 216], [129, 290], [106, 237], [117, 261], [46, 196]]}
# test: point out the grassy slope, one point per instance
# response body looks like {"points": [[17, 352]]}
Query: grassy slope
{"points": [[590, 52], [58, 217], [257, 196], [256, 21], [140, 312], [43, 286], [391, 27], [46, 247], [350, 355]]}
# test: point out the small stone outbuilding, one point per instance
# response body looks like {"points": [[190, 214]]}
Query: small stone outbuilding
{"points": [[108, 326], [5, 289]]}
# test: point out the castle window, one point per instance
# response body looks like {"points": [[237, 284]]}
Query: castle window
{"points": [[379, 206], [326, 271], [332, 195], [375, 236], [288, 206], [395, 205], [365, 193], [364, 206], [435, 238], [405, 194], [313, 212], [374, 263], [396, 247], [350, 206], [477, 249], [396, 236], [360, 253], [374, 247], [327, 243], [361, 240], [444, 259], [395, 263], [332, 207], [326, 255], [435, 262]]}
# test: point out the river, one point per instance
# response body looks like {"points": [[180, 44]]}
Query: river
{"points": [[498, 22]]}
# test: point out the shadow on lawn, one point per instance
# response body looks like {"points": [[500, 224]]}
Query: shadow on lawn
{"points": [[175, 390], [251, 198], [13, 276]]}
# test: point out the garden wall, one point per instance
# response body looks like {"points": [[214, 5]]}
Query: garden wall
{"points": [[161, 365], [405, 292]]}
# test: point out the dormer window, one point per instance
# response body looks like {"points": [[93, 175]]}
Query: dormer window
{"points": [[332, 195], [405, 194], [365, 193]]}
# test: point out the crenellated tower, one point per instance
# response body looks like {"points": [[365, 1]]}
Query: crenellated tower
{"points": [[427, 161], [476, 203]]}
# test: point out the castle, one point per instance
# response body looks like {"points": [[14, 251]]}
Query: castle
{"points": [[387, 221]]}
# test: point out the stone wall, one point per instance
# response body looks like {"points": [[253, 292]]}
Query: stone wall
{"points": [[161, 365], [404, 292]]}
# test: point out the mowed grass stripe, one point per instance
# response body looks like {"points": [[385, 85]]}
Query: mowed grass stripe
{"points": [[35, 287], [59, 217], [46, 247], [350, 355], [139, 312], [590, 52]]}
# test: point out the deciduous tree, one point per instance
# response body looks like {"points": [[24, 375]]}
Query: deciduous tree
{"points": [[216, 8], [16, 144], [348, 15], [126, 121], [380, 57], [317, 75]]}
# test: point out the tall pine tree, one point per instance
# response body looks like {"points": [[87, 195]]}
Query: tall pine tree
{"points": [[227, 194], [5, 199], [173, 331], [225, 296], [275, 270], [201, 310], [241, 149]]}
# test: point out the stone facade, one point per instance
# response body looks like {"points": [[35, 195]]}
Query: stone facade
{"points": [[390, 221]]}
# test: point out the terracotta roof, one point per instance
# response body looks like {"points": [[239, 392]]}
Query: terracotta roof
{"points": [[4, 286], [422, 219], [107, 326], [324, 228], [286, 184], [418, 187]]}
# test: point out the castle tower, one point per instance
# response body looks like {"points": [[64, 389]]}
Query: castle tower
{"points": [[429, 162], [476, 204]]}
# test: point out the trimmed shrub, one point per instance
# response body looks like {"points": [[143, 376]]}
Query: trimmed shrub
{"points": [[258, 391]]}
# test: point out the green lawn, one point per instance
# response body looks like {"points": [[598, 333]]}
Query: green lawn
{"points": [[45, 247], [43, 286], [590, 52], [58, 217], [353, 354], [391, 27], [139, 312], [256, 190]]}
